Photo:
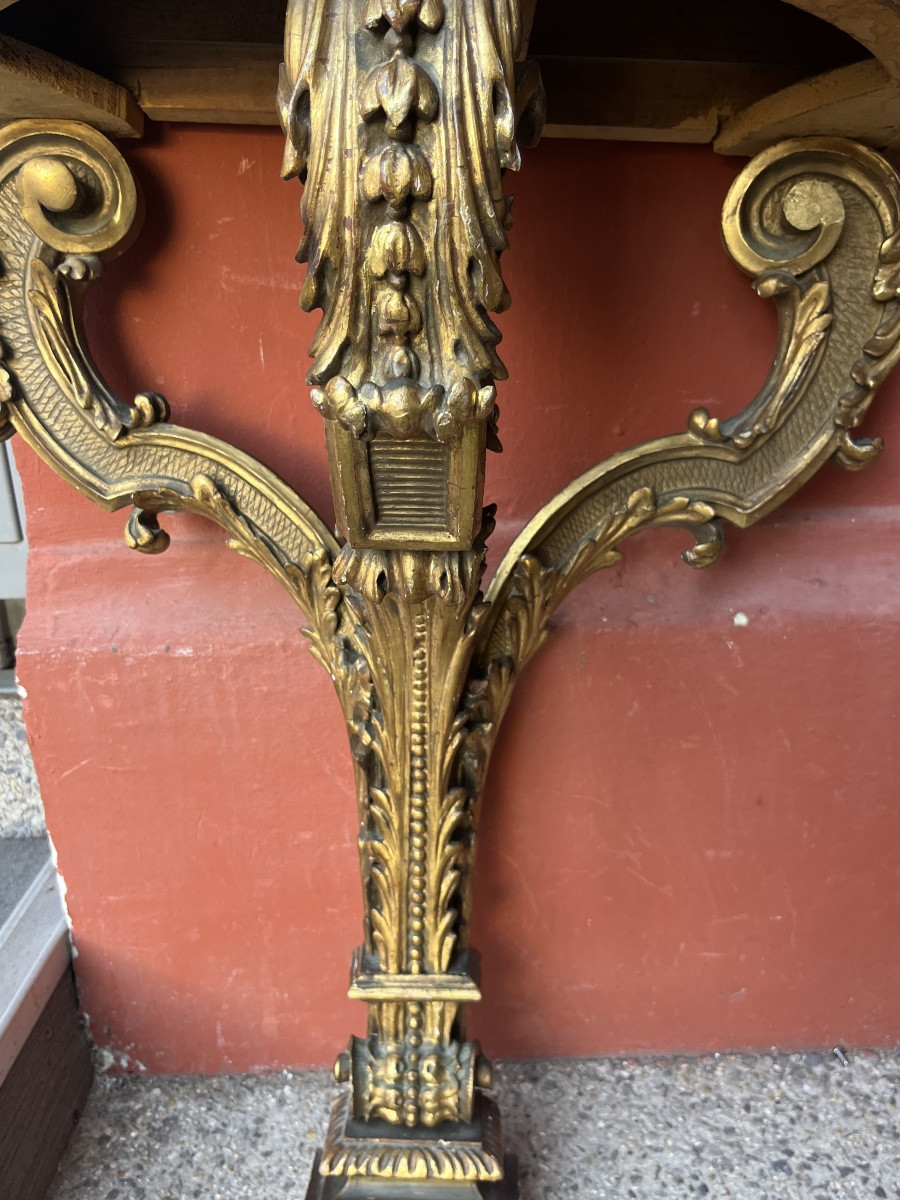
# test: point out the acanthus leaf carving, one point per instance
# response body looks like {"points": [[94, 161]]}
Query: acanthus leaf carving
{"points": [[117, 454], [406, 220], [442, 132], [804, 240], [54, 317], [397, 89]]}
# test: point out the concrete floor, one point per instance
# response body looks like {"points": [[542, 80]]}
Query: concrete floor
{"points": [[803, 1127]]}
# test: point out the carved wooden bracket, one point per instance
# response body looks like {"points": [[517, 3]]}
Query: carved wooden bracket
{"points": [[401, 116]]}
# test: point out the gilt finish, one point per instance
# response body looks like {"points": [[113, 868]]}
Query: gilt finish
{"points": [[404, 111], [400, 116]]}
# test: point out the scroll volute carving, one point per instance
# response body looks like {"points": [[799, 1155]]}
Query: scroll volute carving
{"points": [[401, 117]]}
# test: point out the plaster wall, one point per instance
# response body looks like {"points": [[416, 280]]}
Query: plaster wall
{"points": [[691, 834]]}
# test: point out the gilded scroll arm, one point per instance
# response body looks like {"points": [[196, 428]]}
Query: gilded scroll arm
{"points": [[816, 224], [69, 201]]}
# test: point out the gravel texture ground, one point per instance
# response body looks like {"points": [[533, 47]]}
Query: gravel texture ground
{"points": [[803, 1127], [21, 811]]}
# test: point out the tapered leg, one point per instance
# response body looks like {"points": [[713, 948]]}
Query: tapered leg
{"points": [[403, 142], [401, 116]]}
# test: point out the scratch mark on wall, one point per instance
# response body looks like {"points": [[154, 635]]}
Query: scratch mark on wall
{"points": [[666, 890], [77, 767]]}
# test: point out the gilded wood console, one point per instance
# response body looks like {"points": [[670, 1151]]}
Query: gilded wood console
{"points": [[401, 118]]}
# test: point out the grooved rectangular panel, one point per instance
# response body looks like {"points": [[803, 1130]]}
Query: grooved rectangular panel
{"points": [[410, 481]]}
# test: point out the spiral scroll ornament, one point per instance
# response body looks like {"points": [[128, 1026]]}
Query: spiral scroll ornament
{"points": [[816, 223], [401, 115]]}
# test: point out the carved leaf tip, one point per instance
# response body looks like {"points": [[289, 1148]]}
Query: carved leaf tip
{"points": [[710, 541], [887, 278], [144, 534], [702, 425], [398, 88], [853, 455], [293, 110]]}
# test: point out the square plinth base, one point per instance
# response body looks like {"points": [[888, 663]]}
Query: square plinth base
{"points": [[355, 1187]]}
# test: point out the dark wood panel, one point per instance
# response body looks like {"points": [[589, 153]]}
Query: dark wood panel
{"points": [[739, 31], [659, 101], [91, 32], [43, 1096], [648, 70]]}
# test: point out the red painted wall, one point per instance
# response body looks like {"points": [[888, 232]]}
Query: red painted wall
{"points": [[691, 835]]}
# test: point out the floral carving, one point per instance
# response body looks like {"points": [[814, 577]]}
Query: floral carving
{"points": [[401, 13], [431, 219], [403, 254], [397, 247], [398, 88], [442, 1070], [402, 408]]}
